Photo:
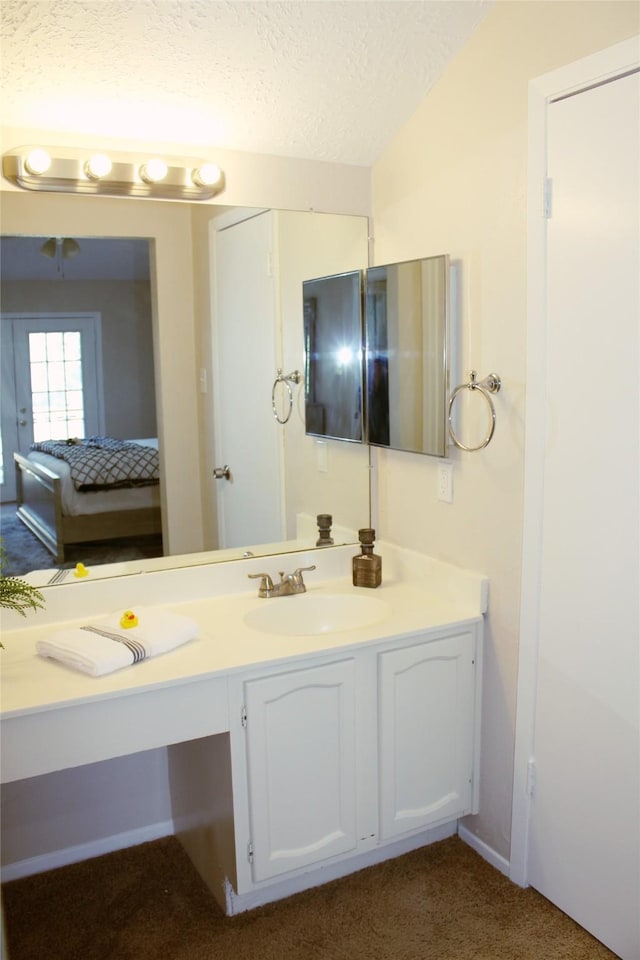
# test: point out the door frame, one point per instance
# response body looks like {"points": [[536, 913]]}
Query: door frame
{"points": [[606, 65]]}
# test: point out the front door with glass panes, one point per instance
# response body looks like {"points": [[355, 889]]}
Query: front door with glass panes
{"points": [[51, 383]]}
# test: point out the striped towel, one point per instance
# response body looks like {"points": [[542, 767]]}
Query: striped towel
{"points": [[104, 646]]}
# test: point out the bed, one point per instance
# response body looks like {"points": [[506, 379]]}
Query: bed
{"points": [[49, 504]]}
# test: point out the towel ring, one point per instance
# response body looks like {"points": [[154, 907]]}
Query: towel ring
{"points": [[287, 379], [490, 384]]}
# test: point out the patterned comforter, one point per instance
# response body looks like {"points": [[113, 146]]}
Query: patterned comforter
{"points": [[102, 463]]}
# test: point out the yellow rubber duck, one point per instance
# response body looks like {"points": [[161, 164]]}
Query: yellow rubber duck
{"points": [[80, 570], [128, 619]]}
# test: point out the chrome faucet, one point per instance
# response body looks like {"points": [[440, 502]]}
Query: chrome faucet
{"points": [[287, 586]]}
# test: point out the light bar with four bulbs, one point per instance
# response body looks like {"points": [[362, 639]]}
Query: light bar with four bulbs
{"points": [[71, 170]]}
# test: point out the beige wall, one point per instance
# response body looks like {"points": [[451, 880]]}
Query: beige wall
{"points": [[455, 181]]}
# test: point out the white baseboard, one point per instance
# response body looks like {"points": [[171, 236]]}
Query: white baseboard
{"points": [[85, 851], [486, 852], [239, 903]]}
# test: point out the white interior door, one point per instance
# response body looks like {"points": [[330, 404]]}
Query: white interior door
{"points": [[584, 852], [247, 438]]}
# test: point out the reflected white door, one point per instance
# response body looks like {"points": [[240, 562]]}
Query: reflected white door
{"points": [[585, 813], [247, 437]]}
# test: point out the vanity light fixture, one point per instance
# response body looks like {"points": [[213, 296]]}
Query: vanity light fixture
{"points": [[76, 170]]}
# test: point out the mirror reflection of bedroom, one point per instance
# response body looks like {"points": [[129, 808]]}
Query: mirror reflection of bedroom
{"points": [[79, 453]]}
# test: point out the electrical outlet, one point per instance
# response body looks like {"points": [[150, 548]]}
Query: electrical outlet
{"points": [[445, 482]]}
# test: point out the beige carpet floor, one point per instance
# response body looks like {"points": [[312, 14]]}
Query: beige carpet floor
{"points": [[442, 902]]}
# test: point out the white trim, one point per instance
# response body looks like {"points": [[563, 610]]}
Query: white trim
{"points": [[598, 68], [86, 851], [486, 852]]}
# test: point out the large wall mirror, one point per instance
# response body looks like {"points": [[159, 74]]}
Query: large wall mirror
{"points": [[166, 373]]}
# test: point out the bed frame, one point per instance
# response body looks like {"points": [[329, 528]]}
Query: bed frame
{"points": [[39, 506]]}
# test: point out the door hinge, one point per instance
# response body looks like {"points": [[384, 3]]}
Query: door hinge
{"points": [[243, 716], [250, 852], [531, 778], [547, 198]]}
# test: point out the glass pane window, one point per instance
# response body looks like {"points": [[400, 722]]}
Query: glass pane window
{"points": [[39, 380], [38, 347], [56, 385], [72, 345], [56, 375]]}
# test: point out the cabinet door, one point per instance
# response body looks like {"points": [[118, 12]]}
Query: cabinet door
{"points": [[425, 733], [300, 732]]}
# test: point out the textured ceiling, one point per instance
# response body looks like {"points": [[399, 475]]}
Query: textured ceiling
{"points": [[325, 80]]}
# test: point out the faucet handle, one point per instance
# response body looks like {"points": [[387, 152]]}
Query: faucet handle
{"points": [[266, 583], [297, 576]]}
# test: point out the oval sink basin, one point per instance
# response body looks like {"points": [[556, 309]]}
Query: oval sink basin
{"points": [[309, 614]]}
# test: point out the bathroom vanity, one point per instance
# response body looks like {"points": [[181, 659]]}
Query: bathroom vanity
{"points": [[307, 736]]}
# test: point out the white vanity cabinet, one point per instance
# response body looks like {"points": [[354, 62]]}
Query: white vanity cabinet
{"points": [[301, 767], [426, 733], [347, 755], [291, 759]]}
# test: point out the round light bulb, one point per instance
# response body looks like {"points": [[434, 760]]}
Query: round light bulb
{"points": [[98, 166], [207, 175], [37, 161], [153, 170]]}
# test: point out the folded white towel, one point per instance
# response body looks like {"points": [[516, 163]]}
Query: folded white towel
{"points": [[103, 646]]}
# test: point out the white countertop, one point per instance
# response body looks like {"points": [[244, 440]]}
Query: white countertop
{"points": [[224, 644], [434, 596], [54, 716]]}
